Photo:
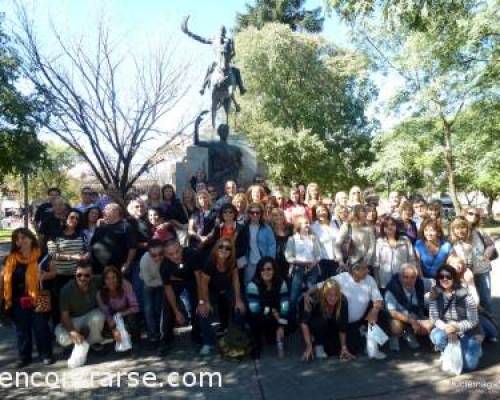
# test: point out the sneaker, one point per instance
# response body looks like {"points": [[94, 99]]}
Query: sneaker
{"points": [[206, 350], [378, 355], [394, 343], [319, 351], [412, 341]]}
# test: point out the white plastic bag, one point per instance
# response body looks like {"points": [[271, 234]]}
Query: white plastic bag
{"points": [[376, 333], [78, 355], [452, 362], [125, 344]]}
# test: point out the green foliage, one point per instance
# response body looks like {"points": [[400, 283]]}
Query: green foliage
{"points": [[19, 147], [288, 12], [53, 172], [447, 54], [305, 107]]}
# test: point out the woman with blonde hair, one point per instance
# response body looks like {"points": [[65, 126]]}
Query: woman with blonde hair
{"points": [[256, 194], [326, 321], [483, 252], [240, 202], [355, 196], [313, 195]]}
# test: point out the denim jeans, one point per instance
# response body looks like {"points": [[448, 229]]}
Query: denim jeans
{"points": [[489, 330], [137, 283], [27, 323], [471, 348], [153, 307], [483, 285], [300, 281], [222, 306]]}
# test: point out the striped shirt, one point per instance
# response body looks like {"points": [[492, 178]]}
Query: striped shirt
{"points": [[451, 313], [63, 246]]}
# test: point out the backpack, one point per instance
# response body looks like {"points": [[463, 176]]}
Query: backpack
{"points": [[236, 344]]}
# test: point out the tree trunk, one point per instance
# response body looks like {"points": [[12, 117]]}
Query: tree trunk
{"points": [[26, 201], [489, 206], [450, 171]]}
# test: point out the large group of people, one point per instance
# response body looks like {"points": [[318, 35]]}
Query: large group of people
{"points": [[272, 262]]}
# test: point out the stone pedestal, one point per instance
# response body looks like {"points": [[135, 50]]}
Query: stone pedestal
{"points": [[196, 158]]}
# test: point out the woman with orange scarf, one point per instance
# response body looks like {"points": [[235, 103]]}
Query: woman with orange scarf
{"points": [[19, 288]]}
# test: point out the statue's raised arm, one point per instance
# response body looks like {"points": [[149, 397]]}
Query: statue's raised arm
{"points": [[185, 29]]}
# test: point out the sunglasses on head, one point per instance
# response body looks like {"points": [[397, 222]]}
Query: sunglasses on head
{"points": [[82, 275]]}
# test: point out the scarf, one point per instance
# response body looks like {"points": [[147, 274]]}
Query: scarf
{"points": [[31, 275]]}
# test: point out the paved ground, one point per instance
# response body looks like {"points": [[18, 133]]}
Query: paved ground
{"points": [[407, 375]]}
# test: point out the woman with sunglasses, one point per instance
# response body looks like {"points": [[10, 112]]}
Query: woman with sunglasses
{"points": [[267, 297], [91, 216], [67, 250], [324, 323], [392, 251], [19, 289], [255, 241], [483, 252], [454, 314], [219, 292], [431, 249], [117, 297]]}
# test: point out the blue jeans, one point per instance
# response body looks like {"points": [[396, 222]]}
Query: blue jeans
{"points": [[471, 348], [300, 281], [153, 308], [137, 283], [483, 285], [222, 306], [490, 330], [27, 323]]}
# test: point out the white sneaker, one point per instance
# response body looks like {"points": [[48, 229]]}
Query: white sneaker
{"points": [[205, 350], [378, 355], [319, 351], [394, 343]]}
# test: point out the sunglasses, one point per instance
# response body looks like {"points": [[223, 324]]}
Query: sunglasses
{"points": [[254, 212], [227, 248], [444, 277], [80, 275]]}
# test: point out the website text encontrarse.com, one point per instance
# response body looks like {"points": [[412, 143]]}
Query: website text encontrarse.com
{"points": [[115, 379]]}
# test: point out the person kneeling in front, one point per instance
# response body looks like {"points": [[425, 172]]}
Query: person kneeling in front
{"points": [[364, 304], [404, 301], [81, 318]]}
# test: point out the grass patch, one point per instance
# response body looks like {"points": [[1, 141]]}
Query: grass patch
{"points": [[5, 235], [493, 228]]}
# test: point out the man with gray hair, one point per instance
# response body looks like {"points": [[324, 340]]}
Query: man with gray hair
{"points": [[404, 302]]}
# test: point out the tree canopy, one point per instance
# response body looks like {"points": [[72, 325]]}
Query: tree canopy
{"points": [[305, 107], [288, 12], [19, 146]]}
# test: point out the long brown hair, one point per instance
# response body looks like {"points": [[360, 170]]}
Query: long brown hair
{"points": [[26, 232], [231, 261], [105, 294]]}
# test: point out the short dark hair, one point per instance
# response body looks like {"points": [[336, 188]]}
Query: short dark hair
{"points": [[54, 189], [171, 242], [155, 243]]}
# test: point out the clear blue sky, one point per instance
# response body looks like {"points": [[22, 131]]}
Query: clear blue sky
{"points": [[150, 22]]}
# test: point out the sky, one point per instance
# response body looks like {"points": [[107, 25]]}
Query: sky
{"points": [[142, 24]]}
